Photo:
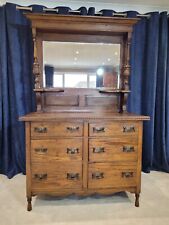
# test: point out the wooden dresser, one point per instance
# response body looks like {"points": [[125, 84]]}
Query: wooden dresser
{"points": [[82, 141]]}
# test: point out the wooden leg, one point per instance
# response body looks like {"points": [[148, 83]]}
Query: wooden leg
{"points": [[137, 200], [29, 206]]}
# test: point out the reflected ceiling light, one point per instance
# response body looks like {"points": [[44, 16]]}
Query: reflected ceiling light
{"points": [[103, 63], [77, 52], [108, 59], [116, 53], [100, 71], [75, 58]]}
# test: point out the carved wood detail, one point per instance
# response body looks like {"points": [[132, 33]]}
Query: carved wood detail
{"points": [[36, 67], [126, 72]]}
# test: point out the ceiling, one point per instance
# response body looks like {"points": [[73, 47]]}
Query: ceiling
{"points": [[63, 55]]}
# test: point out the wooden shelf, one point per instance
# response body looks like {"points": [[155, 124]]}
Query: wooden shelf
{"points": [[49, 90], [110, 90]]}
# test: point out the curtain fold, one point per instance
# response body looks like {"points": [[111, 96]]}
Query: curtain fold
{"points": [[16, 58], [149, 84], [149, 89]]}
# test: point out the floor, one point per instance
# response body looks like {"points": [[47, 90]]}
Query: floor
{"points": [[118, 209]]}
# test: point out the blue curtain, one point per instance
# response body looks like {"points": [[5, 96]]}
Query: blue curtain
{"points": [[16, 95], [149, 85]]}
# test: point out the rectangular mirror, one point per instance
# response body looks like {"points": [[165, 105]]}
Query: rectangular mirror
{"points": [[81, 65]]}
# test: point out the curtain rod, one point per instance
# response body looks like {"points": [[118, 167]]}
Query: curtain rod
{"points": [[78, 11]]}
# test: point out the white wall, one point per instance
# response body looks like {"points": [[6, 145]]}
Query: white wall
{"points": [[142, 6]]}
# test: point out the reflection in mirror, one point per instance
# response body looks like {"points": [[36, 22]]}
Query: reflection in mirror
{"points": [[81, 65]]}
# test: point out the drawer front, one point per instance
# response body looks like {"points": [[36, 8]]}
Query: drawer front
{"points": [[114, 129], [105, 175], [108, 150], [54, 129], [58, 149], [57, 175]]}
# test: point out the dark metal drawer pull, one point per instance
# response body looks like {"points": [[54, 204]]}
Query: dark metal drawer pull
{"points": [[97, 175], [128, 149], [40, 129], [41, 150], [72, 150], [72, 128], [98, 129], [127, 174], [128, 129], [98, 150], [42, 176], [72, 176]]}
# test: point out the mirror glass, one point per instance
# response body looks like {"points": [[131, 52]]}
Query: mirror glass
{"points": [[81, 65]]}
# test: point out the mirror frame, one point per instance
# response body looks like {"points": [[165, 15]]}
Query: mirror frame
{"points": [[53, 27]]}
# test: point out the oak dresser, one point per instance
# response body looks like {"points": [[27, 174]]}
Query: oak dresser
{"points": [[81, 140]]}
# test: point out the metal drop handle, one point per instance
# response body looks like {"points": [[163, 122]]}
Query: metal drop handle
{"points": [[128, 149], [42, 176], [98, 150], [72, 150], [97, 175], [40, 129], [128, 129], [72, 128], [98, 129], [127, 174], [72, 176], [41, 150]]}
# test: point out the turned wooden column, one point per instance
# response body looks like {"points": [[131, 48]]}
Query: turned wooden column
{"points": [[126, 70], [37, 74]]}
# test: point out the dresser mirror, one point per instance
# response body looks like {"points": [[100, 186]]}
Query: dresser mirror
{"points": [[81, 65]]}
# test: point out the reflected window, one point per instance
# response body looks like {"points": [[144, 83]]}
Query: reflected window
{"points": [[69, 80], [76, 80]]}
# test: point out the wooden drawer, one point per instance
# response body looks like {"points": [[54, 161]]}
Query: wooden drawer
{"points": [[49, 129], [58, 175], [57, 149], [106, 175], [114, 129], [109, 150]]}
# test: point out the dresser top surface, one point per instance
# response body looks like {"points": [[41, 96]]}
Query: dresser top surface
{"points": [[75, 115]]}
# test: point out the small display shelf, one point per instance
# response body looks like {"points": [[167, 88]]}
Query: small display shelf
{"points": [[112, 90]]}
